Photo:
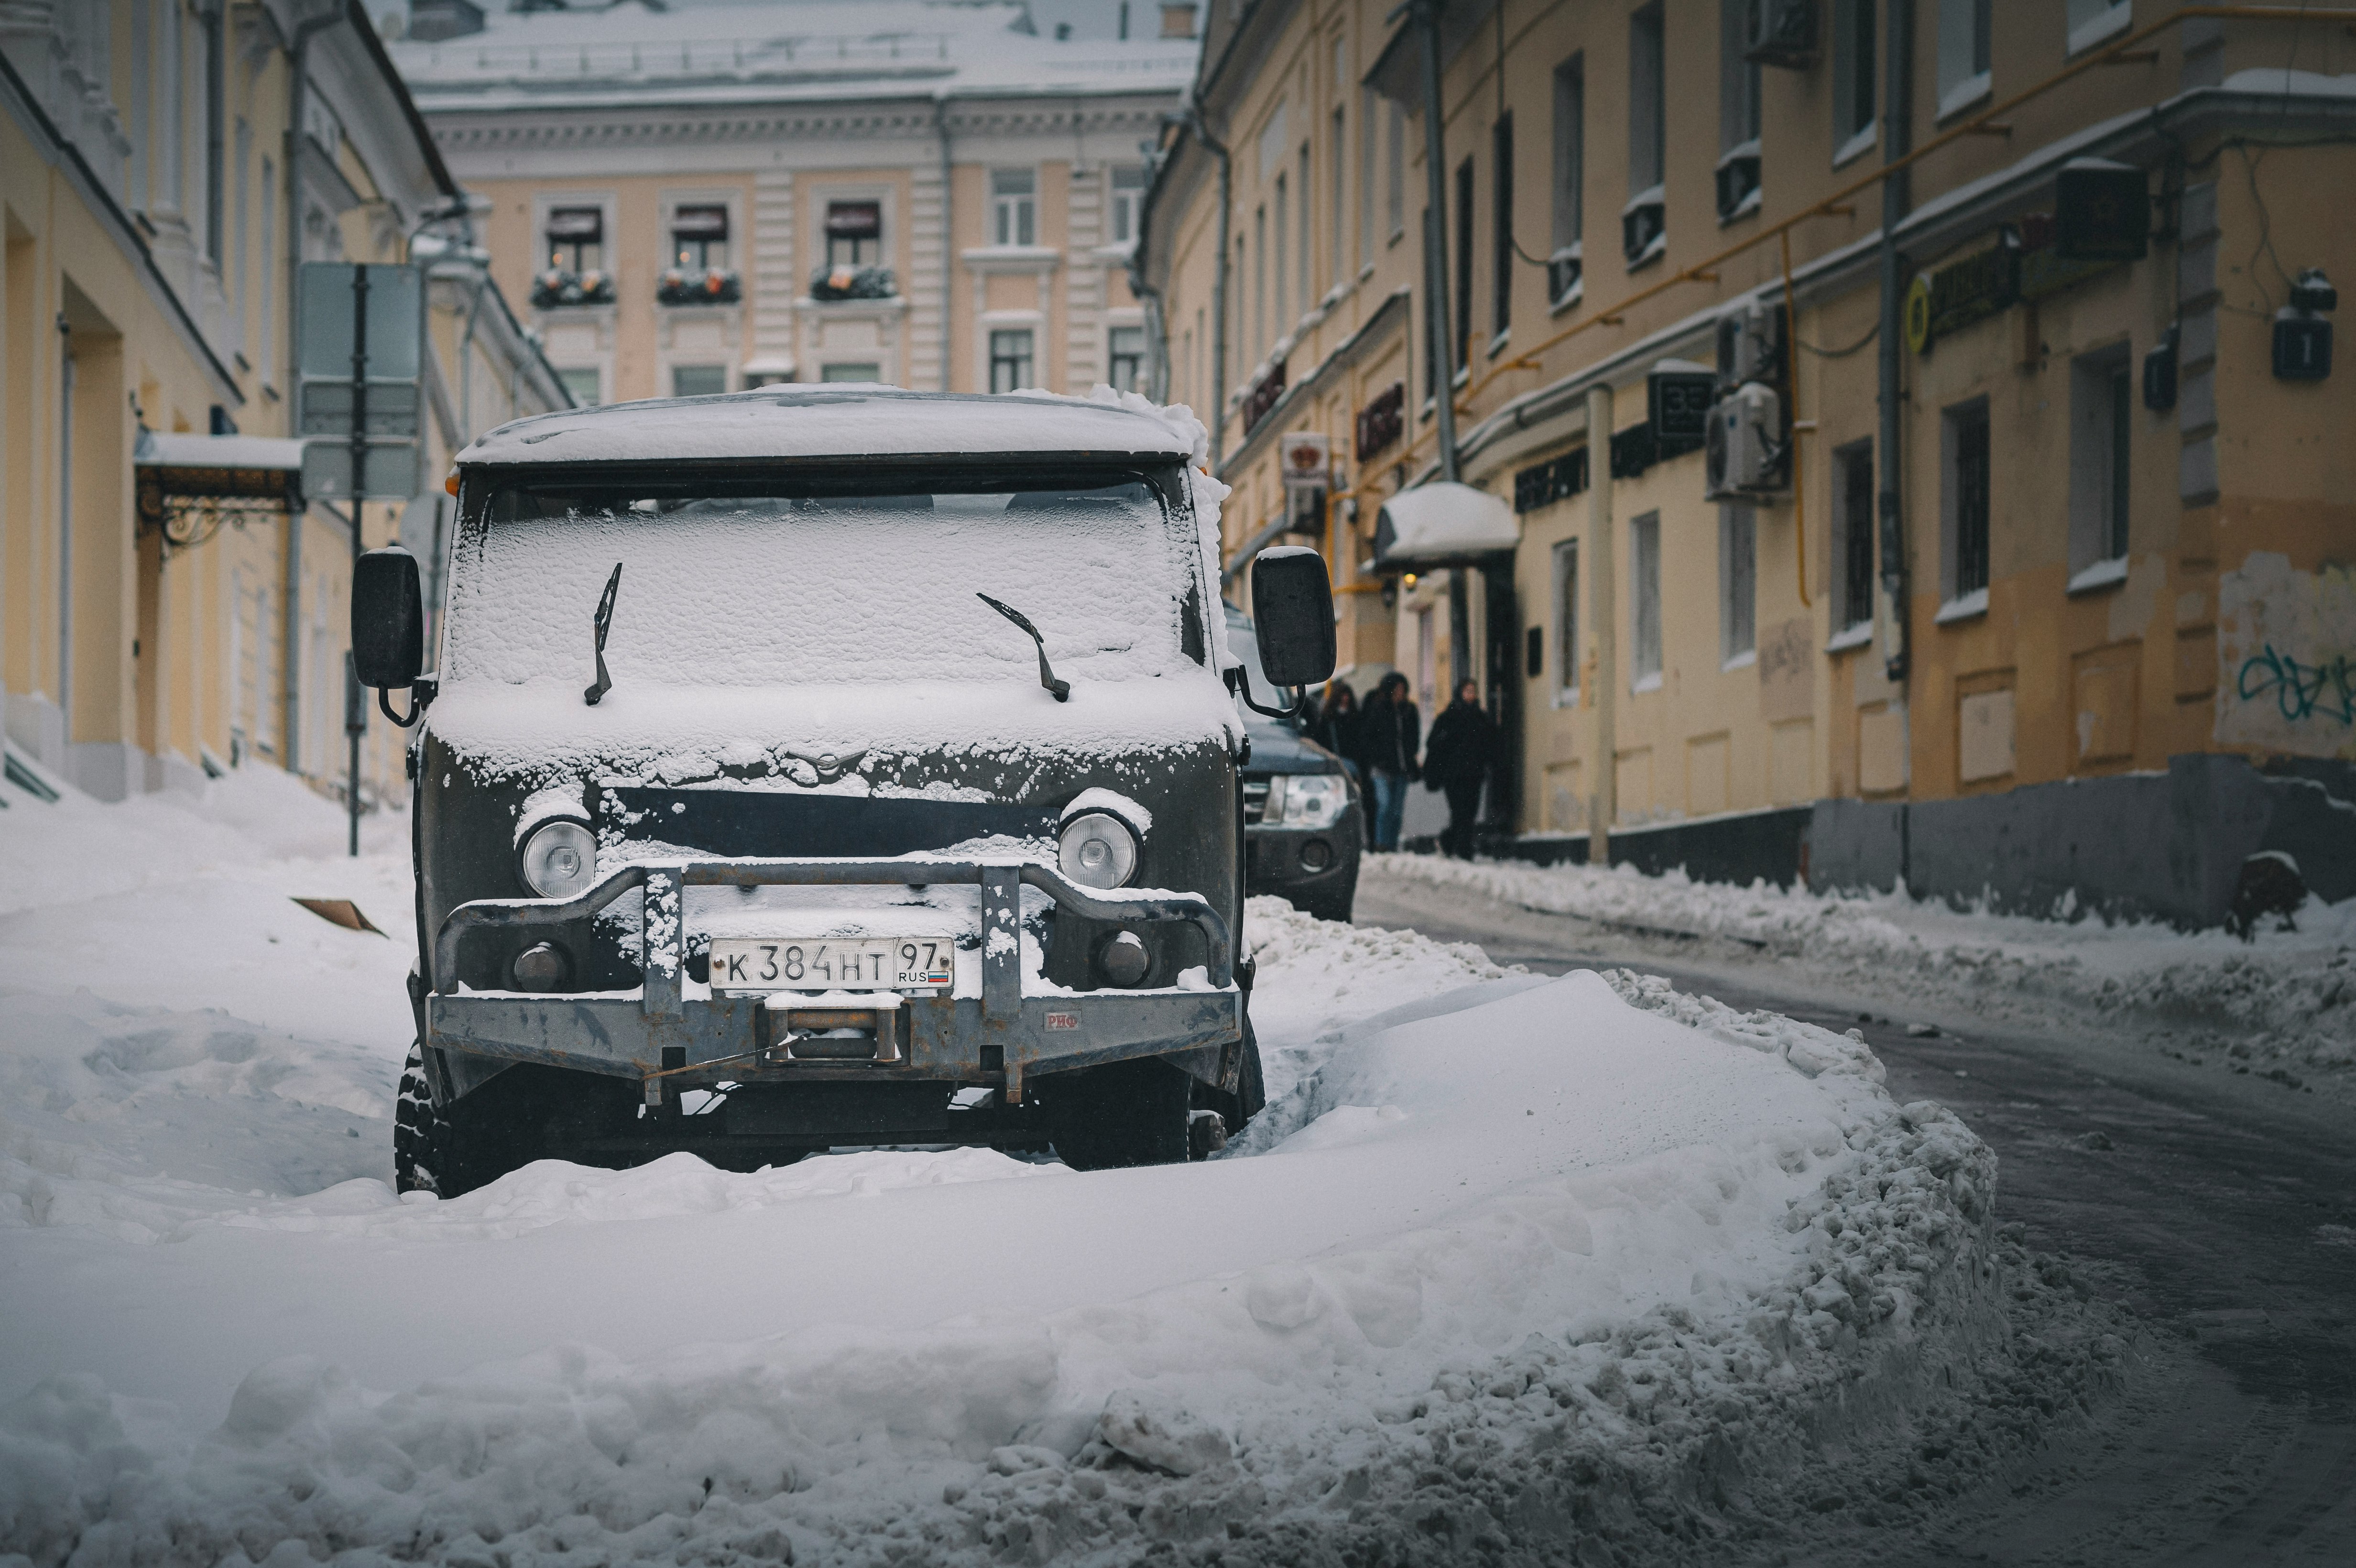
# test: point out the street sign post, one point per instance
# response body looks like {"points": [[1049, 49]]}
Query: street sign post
{"points": [[358, 405]]}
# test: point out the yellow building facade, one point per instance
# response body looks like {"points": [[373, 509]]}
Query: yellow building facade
{"points": [[2105, 526], [147, 292]]}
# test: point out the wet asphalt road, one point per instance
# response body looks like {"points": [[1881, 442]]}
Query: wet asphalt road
{"points": [[2223, 1211]]}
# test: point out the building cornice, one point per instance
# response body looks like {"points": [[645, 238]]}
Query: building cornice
{"points": [[473, 128]]}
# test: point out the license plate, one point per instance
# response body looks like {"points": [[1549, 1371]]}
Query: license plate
{"points": [[833, 963]]}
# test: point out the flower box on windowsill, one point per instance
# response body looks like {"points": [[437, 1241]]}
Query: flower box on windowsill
{"points": [[557, 287], [830, 284], [678, 286]]}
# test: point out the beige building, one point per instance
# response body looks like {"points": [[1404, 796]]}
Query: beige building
{"points": [[168, 607], [2105, 524], [724, 196]]}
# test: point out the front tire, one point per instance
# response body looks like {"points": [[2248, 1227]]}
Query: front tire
{"points": [[1123, 1113], [524, 1114]]}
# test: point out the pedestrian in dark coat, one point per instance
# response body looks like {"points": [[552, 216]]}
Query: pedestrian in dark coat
{"points": [[1464, 746], [1390, 734], [1335, 727]]}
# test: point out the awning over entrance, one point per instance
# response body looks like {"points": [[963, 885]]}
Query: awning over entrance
{"points": [[188, 485], [1441, 524]]}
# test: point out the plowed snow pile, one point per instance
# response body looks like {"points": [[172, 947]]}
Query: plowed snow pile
{"points": [[2282, 1005], [1506, 1261]]}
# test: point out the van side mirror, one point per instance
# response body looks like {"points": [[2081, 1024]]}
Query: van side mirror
{"points": [[1293, 610], [388, 619]]}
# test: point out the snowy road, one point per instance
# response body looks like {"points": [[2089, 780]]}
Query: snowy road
{"points": [[2221, 1208]]}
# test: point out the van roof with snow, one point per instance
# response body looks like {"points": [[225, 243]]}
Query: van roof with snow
{"points": [[836, 420]]}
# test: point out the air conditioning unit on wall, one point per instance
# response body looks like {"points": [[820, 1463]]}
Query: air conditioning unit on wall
{"points": [[1745, 451], [1783, 33]]}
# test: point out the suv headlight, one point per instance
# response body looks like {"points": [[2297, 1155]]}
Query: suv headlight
{"points": [[1098, 850], [560, 859], [1305, 800]]}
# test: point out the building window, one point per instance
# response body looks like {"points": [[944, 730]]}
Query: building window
{"points": [[1395, 194], [1644, 595], [1737, 112], [1464, 300], [2092, 21], [1339, 263], [2101, 425], [1127, 361], [1853, 78], [1260, 276], [1738, 584], [1853, 529], [576, 237], [1306, 267], [1014, 207], [1009, 359], [698, 381], [1500, 221], [1965, 497], [854, 234], [699, 239], [1368, 99], [583, 384], [1565, 622], [1128, 197], [861, 371], [1963, 54], [1563, 269], [1283, 316], [1642, 222]]}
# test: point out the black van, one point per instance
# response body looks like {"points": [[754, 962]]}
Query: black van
{"points": [[821, 766]]}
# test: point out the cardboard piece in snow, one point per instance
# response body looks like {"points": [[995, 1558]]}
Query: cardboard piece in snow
{"points": [[340, 912]]}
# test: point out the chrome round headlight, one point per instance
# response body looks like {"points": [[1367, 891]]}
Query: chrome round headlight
{"points": [[1098, 850], [560, 859]]}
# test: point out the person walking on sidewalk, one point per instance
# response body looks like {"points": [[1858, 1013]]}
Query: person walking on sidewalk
{"points": [[1390, 733], [1463, 744], [1335, 727]]}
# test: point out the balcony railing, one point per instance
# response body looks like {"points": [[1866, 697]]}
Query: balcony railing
{"points": [[679, 285], [1263, 395], [854, 284], [558, 287]]}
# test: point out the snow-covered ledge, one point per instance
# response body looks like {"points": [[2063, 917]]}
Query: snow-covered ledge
{"points": [[2102, 574], [1012, 257], [1963, 608], [1848, 637]]}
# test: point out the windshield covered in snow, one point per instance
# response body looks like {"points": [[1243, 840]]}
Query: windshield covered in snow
{"points": [[769, 583]]}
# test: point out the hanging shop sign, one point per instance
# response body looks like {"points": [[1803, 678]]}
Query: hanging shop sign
{"points": [[2023, 266], [1307, 460]]}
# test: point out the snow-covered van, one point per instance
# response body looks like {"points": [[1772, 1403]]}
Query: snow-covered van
{"points": [[821, 766]]}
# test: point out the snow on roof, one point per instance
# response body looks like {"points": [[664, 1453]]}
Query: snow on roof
{"points": [[158, 451], [1436, 523], [836, 419], [719, 51]]}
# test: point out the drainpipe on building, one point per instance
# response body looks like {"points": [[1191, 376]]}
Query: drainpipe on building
{"points": [[1603, 595], [1460, 663], [1219, 409], [948, 230], [298, 52], [1897, 141]]}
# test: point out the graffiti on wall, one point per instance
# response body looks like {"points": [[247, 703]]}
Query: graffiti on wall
{"points": [[2287, 658]]}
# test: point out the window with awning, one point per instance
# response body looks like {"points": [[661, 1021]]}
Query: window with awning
{"points": [[854, 233]]}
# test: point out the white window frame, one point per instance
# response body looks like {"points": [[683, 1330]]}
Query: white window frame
{"points": [[1011, 213], [1853, 139], [2098, 484], [1965, 46], [1123, 203]]}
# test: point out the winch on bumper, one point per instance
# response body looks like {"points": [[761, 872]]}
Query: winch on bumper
{"points": [[674, 1029]]}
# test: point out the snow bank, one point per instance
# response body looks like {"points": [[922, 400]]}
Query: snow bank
{"points": [[2282, 1006]]}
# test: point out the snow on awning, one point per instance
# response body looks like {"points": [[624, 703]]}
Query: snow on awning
{"points": [[1441, 523], [188, 485]]}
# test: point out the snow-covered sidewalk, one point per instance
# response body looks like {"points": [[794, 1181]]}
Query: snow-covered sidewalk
{"points": [[1549, 1258], [2283, 1004]]}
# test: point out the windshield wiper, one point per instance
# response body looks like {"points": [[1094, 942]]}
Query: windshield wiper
{"points": [[1062, 688], [604, 622]]}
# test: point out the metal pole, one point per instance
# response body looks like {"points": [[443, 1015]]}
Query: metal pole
{"points": [[1435, 238], [360, 460], [1602, 590], [291, 642]]}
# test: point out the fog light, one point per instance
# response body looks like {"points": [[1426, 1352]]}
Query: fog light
{"points": [[1316, 855], [541, 968], [1123, 959]]}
